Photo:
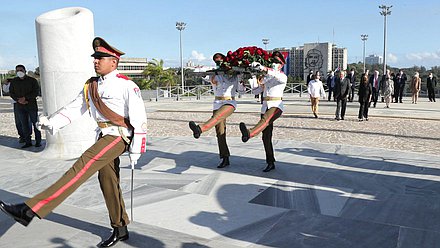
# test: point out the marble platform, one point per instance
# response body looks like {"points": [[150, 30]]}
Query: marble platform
{"points": [[320, 195]]}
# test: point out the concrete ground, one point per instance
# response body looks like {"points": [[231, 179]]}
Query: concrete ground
{"points": [[336, 184]]}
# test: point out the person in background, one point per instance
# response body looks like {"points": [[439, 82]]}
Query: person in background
{"points": [[375, 85], [309, 77], [431, 83], [272, 85], [24, 91], [416, 82], [331, 84], [364, 93], [21, 135], [342, 91], [388, 90], [352, 77], [315, 90], [401, 81]]}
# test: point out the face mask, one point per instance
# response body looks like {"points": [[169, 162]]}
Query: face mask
{"points": [[20, 74], [276, 66]]}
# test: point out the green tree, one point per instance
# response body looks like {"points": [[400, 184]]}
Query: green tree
{"points": [[156, 76]]}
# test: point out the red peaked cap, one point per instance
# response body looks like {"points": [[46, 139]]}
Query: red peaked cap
{"points": [[103, 49], [279, 55]]}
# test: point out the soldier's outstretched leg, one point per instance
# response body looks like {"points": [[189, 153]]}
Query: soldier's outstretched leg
{"points": [[218, 116]]}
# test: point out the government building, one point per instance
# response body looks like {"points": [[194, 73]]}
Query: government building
{"points": [[132, 67], [322, 57]]}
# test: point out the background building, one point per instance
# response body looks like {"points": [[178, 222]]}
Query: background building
{"points": [[321, 57], [132, 67], [373, 60]]}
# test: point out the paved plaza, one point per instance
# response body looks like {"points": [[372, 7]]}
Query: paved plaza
{"points": [[337, 184]]}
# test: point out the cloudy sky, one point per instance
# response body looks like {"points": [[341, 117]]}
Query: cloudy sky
{"points": [[147, 28]]}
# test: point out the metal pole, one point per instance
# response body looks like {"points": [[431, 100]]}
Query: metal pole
{"points": [[364, 38], [1, 83], [181, 26], [131, 193], [385, 11], [265, 42], [181, 63], [384, 44]]}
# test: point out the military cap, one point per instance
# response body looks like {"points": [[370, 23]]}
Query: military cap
{"points": [[103, 49], [216, 55], [279, 55]]}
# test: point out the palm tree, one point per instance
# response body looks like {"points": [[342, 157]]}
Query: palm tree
{"points": [[156, 76]]}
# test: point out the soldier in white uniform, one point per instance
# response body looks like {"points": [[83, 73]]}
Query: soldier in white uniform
{"points": [[115, 103], [225, 86], [272, 85]]}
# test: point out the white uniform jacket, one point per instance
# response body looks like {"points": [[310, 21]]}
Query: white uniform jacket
{"points": [[316, 89], [224, 86], [272, 85], [119, 94]]}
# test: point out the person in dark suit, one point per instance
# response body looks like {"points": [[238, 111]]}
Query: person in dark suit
{"points": [[365, 91], [400, 83], [330, 84], [352, 77], [431, 82], [309, 77], [342, 91], [375, 84]]}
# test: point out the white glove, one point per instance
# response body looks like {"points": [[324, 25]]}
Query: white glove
{"points": [[44, 124], [257, 66], [134, 157]]}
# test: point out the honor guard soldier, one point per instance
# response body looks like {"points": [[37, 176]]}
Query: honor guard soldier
{"points": [[225, 86], [115, 103], [272, 85]]}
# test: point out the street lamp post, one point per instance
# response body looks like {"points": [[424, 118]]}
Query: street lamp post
{"points": [[265, 42], [181, 26], [364, 38], [385, 11]]}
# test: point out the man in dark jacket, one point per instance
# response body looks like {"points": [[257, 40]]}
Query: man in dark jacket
{"points": [[431, 82], [352, 77], [400, 82], [331, 84], [342, 91], [24, 90]]}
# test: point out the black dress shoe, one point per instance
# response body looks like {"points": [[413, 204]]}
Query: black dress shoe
{"points": [[19, 212], [119, 234], [244, 132], [269, 167], [223, 163], [27, 145], [196, 129], [37, 144], [21, 140]]}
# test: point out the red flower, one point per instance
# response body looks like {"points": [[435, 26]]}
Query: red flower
{"points": [[244, 56]]}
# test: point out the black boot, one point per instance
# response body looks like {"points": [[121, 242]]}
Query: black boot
{"points": [[20, 212], [119, 234], [270, 166], [223, 163], [196, 129], [244, 132]]}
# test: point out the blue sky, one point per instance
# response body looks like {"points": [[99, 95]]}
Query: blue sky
{"points": [[147, 28]]}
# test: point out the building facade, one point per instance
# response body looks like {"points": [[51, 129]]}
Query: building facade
{"points": [[132, 67], [373, 60], [321, 57]]}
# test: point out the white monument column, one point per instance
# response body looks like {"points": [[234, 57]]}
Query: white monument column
{"points": [[64, 40]]}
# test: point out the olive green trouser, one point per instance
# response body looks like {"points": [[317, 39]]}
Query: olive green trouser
{"points": [[218, 120], [265, 125], [103, 157]]}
